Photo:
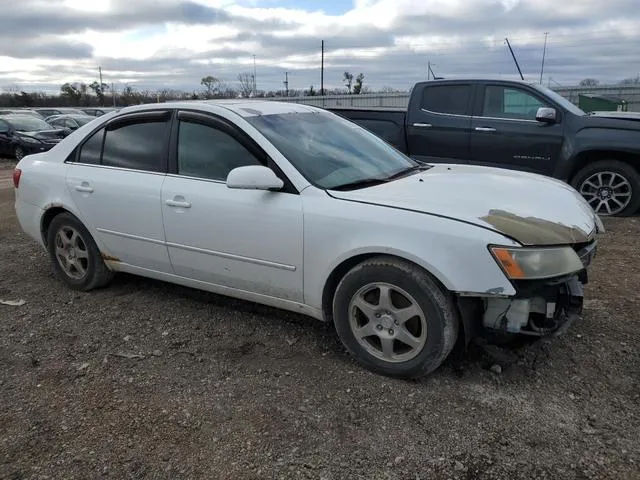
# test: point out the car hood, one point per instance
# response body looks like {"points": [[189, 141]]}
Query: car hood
{"points": [[530, 208], [44, 134]]}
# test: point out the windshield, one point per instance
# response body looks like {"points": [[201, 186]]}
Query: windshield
{"points": [[556, 97], [330, 151], [29, 123]]}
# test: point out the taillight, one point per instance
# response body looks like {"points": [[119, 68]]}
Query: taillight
{"points": [[17, 173]]}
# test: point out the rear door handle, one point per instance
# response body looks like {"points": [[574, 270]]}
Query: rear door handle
{"points": [[422, 125], [485, 129], [179, 202], [84, 187]]}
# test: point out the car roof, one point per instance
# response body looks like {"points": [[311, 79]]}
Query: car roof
{"points": [[15, 115], [242, 107]]}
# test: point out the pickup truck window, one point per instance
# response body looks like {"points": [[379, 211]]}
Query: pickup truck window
{"points": [[447, 99], [510, 103], [330, 151]]}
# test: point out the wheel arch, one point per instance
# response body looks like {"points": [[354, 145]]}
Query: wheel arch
{"points": [[347, 262], [51, 211], [587, 157]]}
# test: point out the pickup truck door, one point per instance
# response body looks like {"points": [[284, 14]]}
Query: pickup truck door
{"points": [[505, 133], [439, 123]]}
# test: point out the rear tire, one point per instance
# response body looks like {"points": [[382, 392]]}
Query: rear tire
{"points": [[394, 318], [75, 255], [611, 187]]}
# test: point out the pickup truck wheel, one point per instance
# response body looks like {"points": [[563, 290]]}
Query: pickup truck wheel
{"points": [[611, 187], [394, 318], [74, 254]]}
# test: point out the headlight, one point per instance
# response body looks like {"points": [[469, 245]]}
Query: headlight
{"points": [[537, 263], [29, 140]]}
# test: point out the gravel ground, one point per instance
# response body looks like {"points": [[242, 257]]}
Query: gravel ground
{"points": [[149, 380]]}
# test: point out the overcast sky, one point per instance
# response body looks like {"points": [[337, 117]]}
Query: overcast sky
{"points": [[172, 43]]}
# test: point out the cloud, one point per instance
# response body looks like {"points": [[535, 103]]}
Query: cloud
{"points": [[155, 43]]}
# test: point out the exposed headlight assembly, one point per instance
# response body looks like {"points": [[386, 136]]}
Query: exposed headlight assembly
{"points": [[536, 263]]}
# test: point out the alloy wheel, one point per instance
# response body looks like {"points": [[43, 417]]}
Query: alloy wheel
{"points": [[71, 252], [387, 322], [607, 192]]}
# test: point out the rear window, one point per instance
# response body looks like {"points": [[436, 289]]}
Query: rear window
{"points": [[448, 99]]}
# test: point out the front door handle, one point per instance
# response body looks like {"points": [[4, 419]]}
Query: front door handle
{"points": [[84, 187], [179, 202], [422, 125], [485, 129]]}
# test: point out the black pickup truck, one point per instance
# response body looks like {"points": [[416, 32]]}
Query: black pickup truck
{"points": [[516, 125]]}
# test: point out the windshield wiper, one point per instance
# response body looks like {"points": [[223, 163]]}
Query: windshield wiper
{"points": [[408, 171], [367, 182]]}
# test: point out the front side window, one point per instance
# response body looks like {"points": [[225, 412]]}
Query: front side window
{"points": [[138, 146], [329, 151], [207, 152], [510, 103], [448, 99]]}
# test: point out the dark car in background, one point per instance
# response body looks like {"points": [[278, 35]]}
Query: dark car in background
{"points": [[99, 111], [28, 111], [23, 134], [47, 112], [69, 122]]}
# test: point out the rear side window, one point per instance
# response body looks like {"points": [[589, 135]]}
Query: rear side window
{"points": [[139, 145], [90, 151], [449, 99]]}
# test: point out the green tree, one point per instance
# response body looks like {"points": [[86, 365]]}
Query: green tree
{"points": [[357, 87], [347, 77], [99, 90], [210, 84]]}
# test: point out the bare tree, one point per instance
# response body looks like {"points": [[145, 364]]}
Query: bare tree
{"points": [[589, 82], [631, 81], [246, 83]]}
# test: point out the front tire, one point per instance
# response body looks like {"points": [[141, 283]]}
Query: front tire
{"points": [[19, 153], [394, 318], [75, 255], [611, 187]]}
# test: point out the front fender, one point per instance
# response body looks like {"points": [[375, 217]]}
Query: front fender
{"points": [[455, 253]]}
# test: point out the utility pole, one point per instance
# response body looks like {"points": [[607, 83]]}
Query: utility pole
{"points": [[544, 52], [255, 82], [101, 91], [428, 69], [514, 58], [286, 84], [113, 92], [322, 71]]}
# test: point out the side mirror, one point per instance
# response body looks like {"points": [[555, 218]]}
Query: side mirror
{"points": [[254, 177], [546, 115]]}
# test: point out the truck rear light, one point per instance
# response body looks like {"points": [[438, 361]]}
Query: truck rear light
{"points": [[17, 173]]}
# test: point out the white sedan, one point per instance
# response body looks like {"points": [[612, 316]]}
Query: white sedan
{"points": [[295, 207]]}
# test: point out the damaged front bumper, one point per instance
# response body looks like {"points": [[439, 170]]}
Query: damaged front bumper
{"points": [[540, 310], [540, 307]]}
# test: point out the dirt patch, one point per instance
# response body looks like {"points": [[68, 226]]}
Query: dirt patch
{"points": [[148, 380]]}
